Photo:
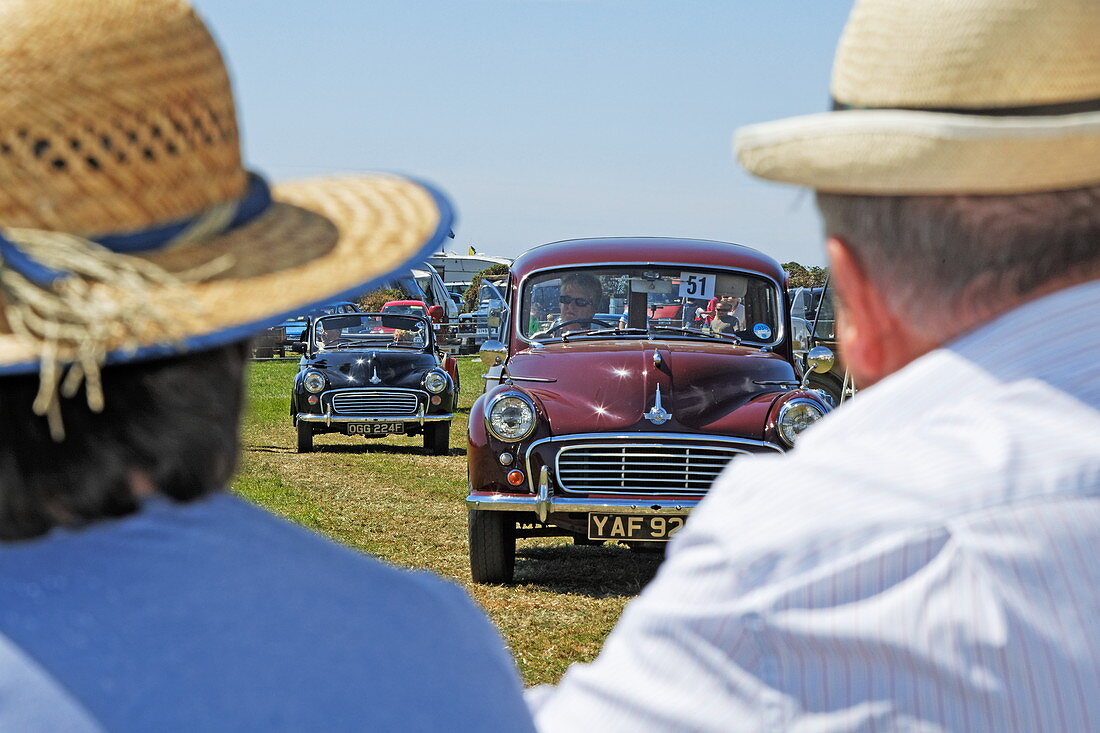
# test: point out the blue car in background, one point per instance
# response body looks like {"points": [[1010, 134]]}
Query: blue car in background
{"points": [[275, 341]]}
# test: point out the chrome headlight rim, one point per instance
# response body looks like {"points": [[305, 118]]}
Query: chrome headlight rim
{"points": [[316, 379], [785, 410], [496, 401], [438, 378]]}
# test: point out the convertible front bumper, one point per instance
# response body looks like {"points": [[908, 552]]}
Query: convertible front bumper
{"points": [[344, 419]]}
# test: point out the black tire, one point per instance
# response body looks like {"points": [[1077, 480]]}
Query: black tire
{"points": [[305, 437], [492, 546], [581, 541], [437, 438]]}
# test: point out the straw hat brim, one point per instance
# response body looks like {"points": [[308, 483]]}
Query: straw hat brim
{"points": [[904, 152], [322, 240]]}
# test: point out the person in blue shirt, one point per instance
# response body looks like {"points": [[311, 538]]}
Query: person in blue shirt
{"points": [[138, 256]]}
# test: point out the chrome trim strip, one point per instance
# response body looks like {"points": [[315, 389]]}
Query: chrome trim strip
{"points": [[517, 379], [329, 420], [510, 503], [781, 300]]}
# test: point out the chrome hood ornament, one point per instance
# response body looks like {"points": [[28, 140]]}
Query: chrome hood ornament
{"points": [[374, 376], [657, 414]]}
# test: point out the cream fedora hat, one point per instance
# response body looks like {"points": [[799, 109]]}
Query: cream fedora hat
{"points": [[948, 96], [129, 228]]}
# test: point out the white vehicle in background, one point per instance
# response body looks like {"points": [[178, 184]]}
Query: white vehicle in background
{"points": [[435, 291], [481, 324], [456, 268]]}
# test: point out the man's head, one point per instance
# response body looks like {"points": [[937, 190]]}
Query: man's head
{"points": [[580, 296], [959, 173]]}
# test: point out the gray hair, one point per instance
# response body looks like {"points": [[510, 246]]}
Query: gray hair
{"points": [[939, 256]]}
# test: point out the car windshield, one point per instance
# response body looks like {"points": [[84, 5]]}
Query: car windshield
{"points": [[370, 331], [404, 308], [647, 301], [322, 311]]}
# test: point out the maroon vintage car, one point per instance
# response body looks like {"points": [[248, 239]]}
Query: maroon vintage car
{"points": [[629, 373]]}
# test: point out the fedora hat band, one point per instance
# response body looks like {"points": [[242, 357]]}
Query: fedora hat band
{"points": [[1037, 110]]}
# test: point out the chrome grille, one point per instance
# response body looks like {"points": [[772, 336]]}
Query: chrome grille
{"points": [[641, 468], [375, 402]]}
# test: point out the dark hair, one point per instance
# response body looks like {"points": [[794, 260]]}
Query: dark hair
{"points": [[942, 254], [174, 420]]}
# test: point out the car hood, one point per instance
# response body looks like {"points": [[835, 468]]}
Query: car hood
{"points": [[603, 386], [373, 368]]}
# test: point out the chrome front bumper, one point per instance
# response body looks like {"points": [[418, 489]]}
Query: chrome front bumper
{"points": [[543, 504], [343, 419]]}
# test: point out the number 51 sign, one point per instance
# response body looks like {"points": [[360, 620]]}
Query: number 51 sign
{"points": [[698, 285]]}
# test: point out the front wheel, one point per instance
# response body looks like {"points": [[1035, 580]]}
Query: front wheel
{"points": [[437, 438], [492, 546], [305, 437]]}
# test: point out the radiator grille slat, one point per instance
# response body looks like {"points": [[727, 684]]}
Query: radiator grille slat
{"points": [[659, 468], [375, 403]]}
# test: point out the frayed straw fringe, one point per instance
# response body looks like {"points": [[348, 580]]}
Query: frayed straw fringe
{"points": [[109, 301]]}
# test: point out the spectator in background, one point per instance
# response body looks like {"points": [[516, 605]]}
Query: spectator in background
{"points": [[924, 559], [137, 594]]}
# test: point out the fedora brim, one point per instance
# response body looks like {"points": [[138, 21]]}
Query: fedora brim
{"points": [[322, 240], [903, 152]]}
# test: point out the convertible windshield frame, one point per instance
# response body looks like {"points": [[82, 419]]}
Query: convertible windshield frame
{"points": [[386, 325], [650, 333]]}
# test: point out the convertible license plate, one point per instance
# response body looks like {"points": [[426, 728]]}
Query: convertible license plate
{"points": [[633, 526], [375, 428]]}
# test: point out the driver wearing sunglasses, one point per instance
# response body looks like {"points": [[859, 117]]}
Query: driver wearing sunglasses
{"points": [[579, 296]]}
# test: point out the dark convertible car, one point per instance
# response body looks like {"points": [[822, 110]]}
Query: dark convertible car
{"points": [[373, 374]]}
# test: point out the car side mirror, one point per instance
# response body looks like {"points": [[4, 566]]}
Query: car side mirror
{"points": [[819, 359], [298, 347], [492, 353]]}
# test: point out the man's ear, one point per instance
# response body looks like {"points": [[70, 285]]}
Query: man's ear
{"points": [[866, 327]]}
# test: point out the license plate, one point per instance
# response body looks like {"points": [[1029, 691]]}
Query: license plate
{"points": [[633, 526], [375, 428]]}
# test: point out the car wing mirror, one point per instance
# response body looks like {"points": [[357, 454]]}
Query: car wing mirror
{"points": [[492, 352], [298, 347]]}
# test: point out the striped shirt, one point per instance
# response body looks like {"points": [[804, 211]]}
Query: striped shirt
{"points": [[925, 560]]}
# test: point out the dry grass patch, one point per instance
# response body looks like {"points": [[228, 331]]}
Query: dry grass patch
{"points": [[389, 498]]}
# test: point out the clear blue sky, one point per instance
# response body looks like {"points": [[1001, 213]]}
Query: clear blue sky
{"points": [[542, 119]]}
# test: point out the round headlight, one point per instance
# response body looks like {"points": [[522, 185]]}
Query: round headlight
{"points": [[313, 382], [511, 417], [796, 416], [435, 382]]}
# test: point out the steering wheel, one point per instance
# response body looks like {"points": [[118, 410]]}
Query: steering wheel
{"points": [[563, 324]]}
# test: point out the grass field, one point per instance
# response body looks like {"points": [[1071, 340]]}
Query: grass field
{"points": [[390, 498]]}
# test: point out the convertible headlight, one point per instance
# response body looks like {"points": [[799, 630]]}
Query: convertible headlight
{"points": [[435, 382], [511, 417], [313, 382], [796, 416]]}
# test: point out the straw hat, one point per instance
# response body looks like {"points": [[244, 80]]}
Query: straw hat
{"points": [[946, 96], [129, 228]]}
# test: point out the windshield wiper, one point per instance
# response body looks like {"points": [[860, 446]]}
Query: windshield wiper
{"points": [[695, 332], [605, 331]]}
